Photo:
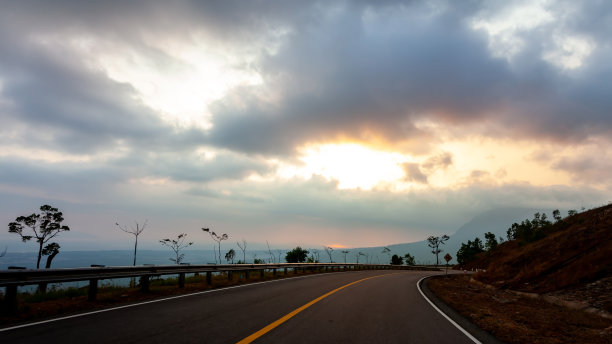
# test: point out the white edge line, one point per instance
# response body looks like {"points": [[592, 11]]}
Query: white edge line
{"points": [[157, 300], [446, 316]]}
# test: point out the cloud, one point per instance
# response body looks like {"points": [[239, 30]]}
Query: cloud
{"points": [[413, 173]]}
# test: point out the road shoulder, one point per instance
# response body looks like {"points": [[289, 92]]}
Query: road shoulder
{"points": [[480, 334]]}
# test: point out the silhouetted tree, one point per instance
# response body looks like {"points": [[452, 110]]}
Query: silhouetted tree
{"points": [[218, 239], [243, 247], [329, 250], [362, 254], [467, 252], [387, 251], [135, 231], [51, 250], [529, 230], [315, 255], [177, 245], [44, 226], [434, 242], [409, 259], [297, 255], [491, 242], [345, 252], [556, 215], [397, 260], [572, 212], [230, 255], [271, 260]]}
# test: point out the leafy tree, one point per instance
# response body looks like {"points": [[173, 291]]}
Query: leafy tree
{"points": [[329, 250], [434, 242], [51, 250], [491, 242], [218, 239], [135, 231], [230, 255], [177, 245], [467, 252], [409, 259], [45, 226], [572, 212], [556, 215], [397, 260], [297, 255], [258, 261], [528, 230]]}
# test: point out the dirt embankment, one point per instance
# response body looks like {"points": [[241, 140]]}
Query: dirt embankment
{"points": [[513, 318]]}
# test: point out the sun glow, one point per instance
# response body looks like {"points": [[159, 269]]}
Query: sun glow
{"points": [[354, 166]]}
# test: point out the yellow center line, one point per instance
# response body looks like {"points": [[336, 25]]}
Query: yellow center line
{"points": [[290, 315]]}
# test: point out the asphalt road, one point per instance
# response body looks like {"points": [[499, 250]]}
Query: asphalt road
{"points": [[385, 309]]}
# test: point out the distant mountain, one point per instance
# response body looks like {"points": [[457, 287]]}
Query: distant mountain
{"points": [[496, 221]]}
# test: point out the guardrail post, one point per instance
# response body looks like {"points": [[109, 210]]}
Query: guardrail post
{"points": [[273, 272], [144, 283], [247, 275], [10, 299], [181, 280], [286, 271], [262, 273], [230, 275], [295, 271], [93, 289], [208, 277]]}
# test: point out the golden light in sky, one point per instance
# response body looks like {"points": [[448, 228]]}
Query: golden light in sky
{"points": [[352, 165]]}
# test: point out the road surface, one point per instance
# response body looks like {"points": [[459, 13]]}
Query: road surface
{"points": [[381, 307]]}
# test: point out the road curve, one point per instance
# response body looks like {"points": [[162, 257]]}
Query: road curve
{"points": [[385, 309]]}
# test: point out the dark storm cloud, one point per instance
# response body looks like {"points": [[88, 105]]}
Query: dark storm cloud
{"points": [[340, 77], [358, 70]]}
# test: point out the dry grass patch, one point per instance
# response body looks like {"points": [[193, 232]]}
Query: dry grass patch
{"points": [[518, 319]]}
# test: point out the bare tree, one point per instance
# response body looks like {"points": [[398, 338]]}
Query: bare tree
{"points": [[329, 250], [135, 231], [345, 252], [387, 251], [218, 239], [315, 255], [45, 226], [177, 245], [434, 242], [361, 254], [271, 260], [280, 255], [243, 247]]}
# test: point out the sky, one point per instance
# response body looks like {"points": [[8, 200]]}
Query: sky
{"points": [[312, 123]]}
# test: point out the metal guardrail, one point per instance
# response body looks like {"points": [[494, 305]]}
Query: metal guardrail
{"points": [[12, 279]]}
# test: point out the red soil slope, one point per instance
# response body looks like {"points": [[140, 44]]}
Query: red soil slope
{"points": [[575, 250]]}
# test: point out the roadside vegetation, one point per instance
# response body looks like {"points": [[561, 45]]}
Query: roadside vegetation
{"points": [[546, 282]]}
